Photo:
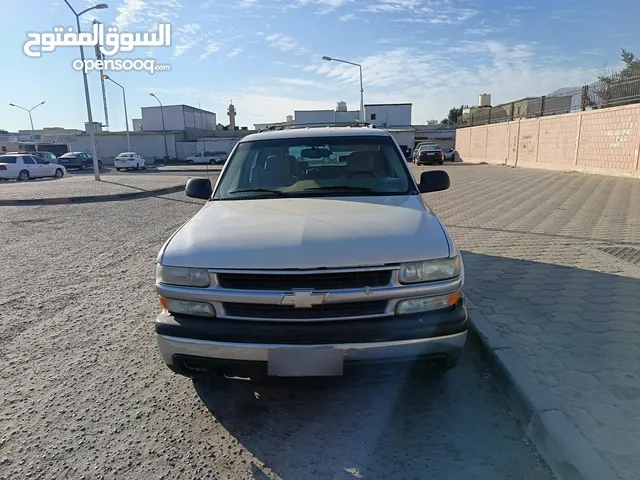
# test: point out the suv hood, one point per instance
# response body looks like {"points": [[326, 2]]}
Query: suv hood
{"points": [[308, 233]]}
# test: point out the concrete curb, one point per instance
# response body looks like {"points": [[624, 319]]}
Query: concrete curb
{"points": [[557, 439], [196, 170], [116, 197]]}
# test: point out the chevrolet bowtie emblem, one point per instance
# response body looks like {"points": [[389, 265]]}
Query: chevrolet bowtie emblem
{"points": [[303, 298]]}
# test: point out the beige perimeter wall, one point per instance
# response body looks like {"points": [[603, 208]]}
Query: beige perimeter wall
{"points": [[603, 141]]}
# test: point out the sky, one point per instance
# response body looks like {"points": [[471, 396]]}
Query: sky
{"points": [[266, 55]]}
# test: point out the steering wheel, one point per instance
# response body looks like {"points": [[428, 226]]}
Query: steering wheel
{"points": [[352, 174]]}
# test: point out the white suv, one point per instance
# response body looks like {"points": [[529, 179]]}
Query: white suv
{"points": [[314, 252]]}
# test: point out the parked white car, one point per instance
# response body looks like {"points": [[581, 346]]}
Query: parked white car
{"points": [[24, 167], [314, 251], [207, 157], [129, 160]]}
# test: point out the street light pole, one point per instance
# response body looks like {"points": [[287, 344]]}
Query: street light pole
{"points": [[164, 134], [331, 59], [126, 117], [28, 110], [94, 152]]}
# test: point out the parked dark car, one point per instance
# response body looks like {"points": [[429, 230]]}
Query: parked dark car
{"points": [[429, 155], [79, 160]]}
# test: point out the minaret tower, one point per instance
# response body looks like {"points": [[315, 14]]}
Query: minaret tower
{"points": [[231, 111]]}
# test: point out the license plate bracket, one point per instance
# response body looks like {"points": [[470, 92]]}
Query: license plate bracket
{"points": [[305, 362]]}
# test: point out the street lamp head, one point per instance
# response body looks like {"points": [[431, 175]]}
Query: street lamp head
{"points": [[101, 6], [106, 77], [43, 102], [12, 105], [328, 59], [152, 94]]}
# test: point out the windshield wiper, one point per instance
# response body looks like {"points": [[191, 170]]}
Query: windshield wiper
{"points": [[258, 190], [341, 187]]}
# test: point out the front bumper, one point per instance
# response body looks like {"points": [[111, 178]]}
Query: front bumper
{"points": [[389, 339]]}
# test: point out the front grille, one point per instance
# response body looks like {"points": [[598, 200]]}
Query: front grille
{"points": [[316, 281], [331, 310]]}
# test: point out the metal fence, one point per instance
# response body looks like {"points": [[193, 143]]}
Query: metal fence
{"points": [[614, 91]]}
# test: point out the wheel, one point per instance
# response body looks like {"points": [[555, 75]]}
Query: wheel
{"points": [[117, 169], [189, 162], [137, 166], [23, 176], [59, 173], [83, 166]]}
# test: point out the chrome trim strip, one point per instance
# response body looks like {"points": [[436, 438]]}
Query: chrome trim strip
{"points": [[274, 297], [309, 271]]}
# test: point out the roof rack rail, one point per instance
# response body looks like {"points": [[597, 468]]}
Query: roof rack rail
{"points": [[317, 125]]}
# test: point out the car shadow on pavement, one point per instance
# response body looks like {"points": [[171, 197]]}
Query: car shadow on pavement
{"points": [[398, 427]]}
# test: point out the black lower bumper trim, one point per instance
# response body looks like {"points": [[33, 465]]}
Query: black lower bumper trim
{"points": [[195, 367], [387, 329]]}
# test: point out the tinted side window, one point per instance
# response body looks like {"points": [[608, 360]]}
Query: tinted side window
{"points": [[8, 159], [39, 161], [28, 161]]}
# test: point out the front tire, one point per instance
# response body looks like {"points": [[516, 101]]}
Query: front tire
{"points": [[23, 176], [59, 173], [83, 166], [118, 169]]}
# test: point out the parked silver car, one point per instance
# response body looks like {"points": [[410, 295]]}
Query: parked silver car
{"points": [[314, 253]]}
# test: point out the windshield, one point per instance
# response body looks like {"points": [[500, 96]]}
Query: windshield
{"points": [[316, 166]]}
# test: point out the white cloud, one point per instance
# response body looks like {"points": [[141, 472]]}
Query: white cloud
{"points": [[283, 42], [235, 52], [347, 17], [141, 14], [300, 82], [211, 48], [508, 72], [185, 38]]}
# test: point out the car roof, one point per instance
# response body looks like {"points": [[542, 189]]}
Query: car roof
{"points": [[127, 153], [316, 132]]}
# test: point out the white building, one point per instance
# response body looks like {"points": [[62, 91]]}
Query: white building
{"points": [[340, 116], [48, 135], [394, 117], [261, 126], [150, 145], [177, 118], [136, 124]]}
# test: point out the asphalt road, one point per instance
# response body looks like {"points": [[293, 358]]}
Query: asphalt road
{"points": [[85, 394]]}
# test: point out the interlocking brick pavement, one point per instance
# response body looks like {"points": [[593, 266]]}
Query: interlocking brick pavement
{"points": [[530, 241], [86, 186]]}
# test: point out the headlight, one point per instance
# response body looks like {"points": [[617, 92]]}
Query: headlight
{"points": [[430, 270], [186, 277], [188, 307], [426, 304]]}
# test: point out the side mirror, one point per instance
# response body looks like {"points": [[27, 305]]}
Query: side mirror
{"points": [[198, 188], [433, 181]]}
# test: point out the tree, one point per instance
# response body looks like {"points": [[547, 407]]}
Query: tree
{"points": [[3, 130], [618, 88], [454, 114]]}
